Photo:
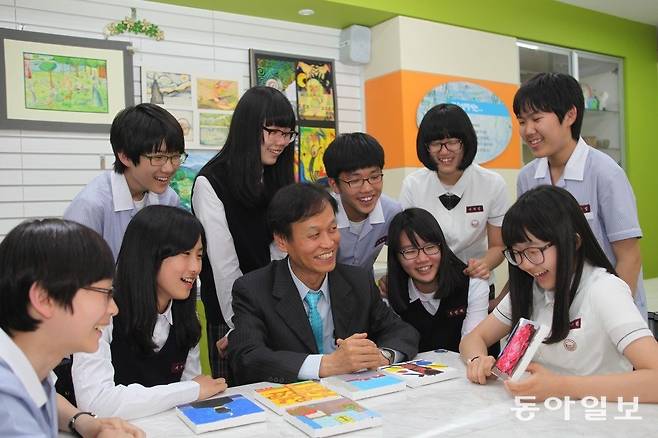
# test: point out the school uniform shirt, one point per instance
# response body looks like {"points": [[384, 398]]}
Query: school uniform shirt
{"points": [[483, 201], [106, 206], [361, 243], [476, 309], [604, 193], [27, 405], [604, 321], [209, 209], [95, 390]]}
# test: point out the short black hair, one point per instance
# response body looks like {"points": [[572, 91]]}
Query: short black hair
{"points": [[154, 234], [350, 152], [553, 93], [553, 215], [60, 256], [141, 129], [446, 120], [419, 222], [295, 203]]}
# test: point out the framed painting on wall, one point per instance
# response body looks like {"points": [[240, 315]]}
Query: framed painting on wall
{"points": [[60, 83], [309, 84]]}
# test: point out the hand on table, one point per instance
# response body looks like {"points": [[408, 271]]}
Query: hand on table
{"points": [[90, 427], [479, 370], [209, 386], [541, 384], [352, 354]]}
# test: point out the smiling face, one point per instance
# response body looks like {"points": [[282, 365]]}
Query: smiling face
{"points": [[447, 162], [544, 273], [545, 135], [92, 311], [177, 275], [358, 202], [423, 269], [145, 177], [273, 144], [312, 246]]}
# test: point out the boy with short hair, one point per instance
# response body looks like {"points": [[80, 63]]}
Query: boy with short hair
{"points": [[354, 164], [550, 108], [148, 147], [55, 296]]}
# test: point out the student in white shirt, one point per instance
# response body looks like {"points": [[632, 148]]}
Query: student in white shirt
{"points": [[427, 286], [55, 296], [599, 344], [230, 197], [148, 360], [468, 201]]}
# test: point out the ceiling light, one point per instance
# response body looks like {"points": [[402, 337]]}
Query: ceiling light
{"points": [[306, 12], [527, 46]]}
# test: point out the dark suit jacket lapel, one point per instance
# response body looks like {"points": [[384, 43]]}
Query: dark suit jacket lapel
{"points": [[290, 307], [342, 304]]}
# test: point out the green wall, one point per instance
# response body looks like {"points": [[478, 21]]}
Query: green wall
{"points": [[556, 23]]}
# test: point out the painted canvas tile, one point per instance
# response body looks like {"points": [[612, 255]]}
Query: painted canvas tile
{"points": [[213, 128], [185, 119], [312, 144], [183, 180], [217, 94], [65, 83], [315, 91], [279, 74], [170, 89]]}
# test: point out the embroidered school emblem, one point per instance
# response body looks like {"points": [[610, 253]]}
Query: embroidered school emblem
{"points": [[575, 324], [570, 344], [459, 311], [586, 208], [474, 209], [177, 367], [475, 223]]}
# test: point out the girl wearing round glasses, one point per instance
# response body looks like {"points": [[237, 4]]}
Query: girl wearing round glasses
{"points": [[148, 358], [426, 283], [230, 198], [599, 344], [467, 200]]}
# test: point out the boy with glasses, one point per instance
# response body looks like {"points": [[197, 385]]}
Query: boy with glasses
{"points": [[354, 164], [549, 108], [148, 147]]}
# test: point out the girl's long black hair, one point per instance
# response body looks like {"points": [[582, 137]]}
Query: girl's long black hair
{"points": [[155, 233], [419, 222], [553, 215], [240, 157]]}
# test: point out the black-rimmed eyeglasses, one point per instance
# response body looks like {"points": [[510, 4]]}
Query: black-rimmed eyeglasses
{"points": [[429, 249], [357, 183], [533, 254], [452, 145], [161, 159], [288, 136], [107, 291]]}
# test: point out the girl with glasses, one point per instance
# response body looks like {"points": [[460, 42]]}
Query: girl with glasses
{"points": [[598, 344], [148, 359], [427, 284], [230, 198]]}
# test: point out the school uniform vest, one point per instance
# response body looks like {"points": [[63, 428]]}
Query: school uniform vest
{"points": [[251, 238], [443, 329], [157, 368]]}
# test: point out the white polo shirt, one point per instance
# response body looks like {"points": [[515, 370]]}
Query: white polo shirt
{"points": [[604, 321], [483, 200]]}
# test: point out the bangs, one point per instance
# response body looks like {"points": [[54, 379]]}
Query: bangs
{"points": [[527, 216], [415, 223], [279, 113], [156, 133], [531, 100], [181, 235]]}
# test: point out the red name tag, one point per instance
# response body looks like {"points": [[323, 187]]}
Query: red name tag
{"points": [[474, 209], [177, 367], [575, 324], [585, 208]]}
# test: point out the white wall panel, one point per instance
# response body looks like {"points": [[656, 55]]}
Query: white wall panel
{"points": [[40, 172]]}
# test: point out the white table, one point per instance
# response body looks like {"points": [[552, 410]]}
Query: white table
{"points": [[452, 408]]}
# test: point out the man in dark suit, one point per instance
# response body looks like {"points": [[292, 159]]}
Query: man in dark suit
{"points": [[307, 317]]}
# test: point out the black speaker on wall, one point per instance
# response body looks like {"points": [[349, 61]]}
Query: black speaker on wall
{"points": [[355, 45]]}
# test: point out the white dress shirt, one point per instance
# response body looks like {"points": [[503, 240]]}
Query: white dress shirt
{"points": [[95, 390], [209, 209], [476, 310]]}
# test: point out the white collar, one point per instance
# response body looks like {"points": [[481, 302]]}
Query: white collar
{"points": [[460, 186], [415, 294], [575, 167], [376, 216], [121, 196], [167, 313], [22, 368], [303, 289]]}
